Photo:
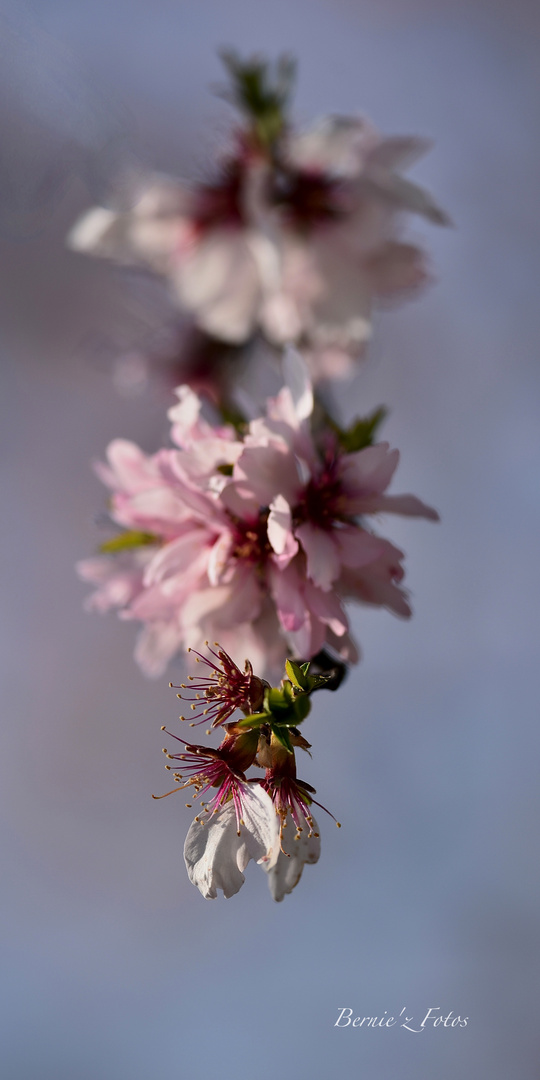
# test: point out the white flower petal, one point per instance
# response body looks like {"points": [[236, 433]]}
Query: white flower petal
{"points": [[285, 873], [323, 563], [216, 856]]}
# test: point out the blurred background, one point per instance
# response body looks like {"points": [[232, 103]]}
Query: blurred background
{"points": [[113, 964]]}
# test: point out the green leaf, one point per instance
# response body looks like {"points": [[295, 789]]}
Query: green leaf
{"points": [[361, 432], [126, 540], [296, 674]]}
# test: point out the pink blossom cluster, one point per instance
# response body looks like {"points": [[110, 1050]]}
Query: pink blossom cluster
{"points": [[257, 539]]}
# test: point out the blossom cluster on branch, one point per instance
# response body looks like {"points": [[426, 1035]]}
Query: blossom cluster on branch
{"points": [[256, 526], [257, 539]]}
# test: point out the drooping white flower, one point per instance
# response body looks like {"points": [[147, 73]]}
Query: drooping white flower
{"points": [[217, 851]]}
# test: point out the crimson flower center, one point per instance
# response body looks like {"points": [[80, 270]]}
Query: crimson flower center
{"points": [[251, 540], [323, 502]]}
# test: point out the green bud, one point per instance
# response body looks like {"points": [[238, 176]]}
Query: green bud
{"points": [[261, 94]]}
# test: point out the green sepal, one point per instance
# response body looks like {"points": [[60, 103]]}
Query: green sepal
{"points": [[231, 415], [278, 699], [282, 735], [126, 540], [256, 720], [302, 706], [284, 706]]}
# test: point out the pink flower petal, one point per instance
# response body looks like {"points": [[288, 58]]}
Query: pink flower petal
{"points": [[280, 532], [321, 548], [408, 505], [368, 471]]}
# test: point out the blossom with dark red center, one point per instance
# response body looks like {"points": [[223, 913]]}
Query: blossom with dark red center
{"points": [[292, 799], [323, 502], [204, 768], [297, 237], [250, 539], [309, 198], [224, 690], [290, 796]]}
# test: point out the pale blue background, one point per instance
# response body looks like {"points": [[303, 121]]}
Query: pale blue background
{"points": [[114, 966]]}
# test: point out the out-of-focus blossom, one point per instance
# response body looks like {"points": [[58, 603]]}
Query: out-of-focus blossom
{"points": [[341, 243], [298, 235], [206, 240], [254, 540]]}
